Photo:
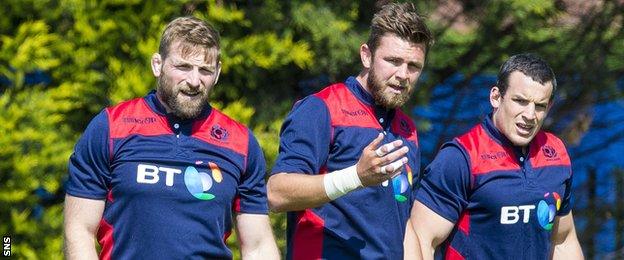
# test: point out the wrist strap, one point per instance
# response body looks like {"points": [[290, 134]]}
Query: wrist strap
{"points": [[341, 182]]}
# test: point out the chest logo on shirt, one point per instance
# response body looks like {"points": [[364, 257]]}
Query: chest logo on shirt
{"points": [[545, 212], [401, 183], [219, 133], [198, 183], [550, 153]]}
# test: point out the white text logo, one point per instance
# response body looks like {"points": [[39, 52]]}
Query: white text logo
{"points": [[512, 214]]}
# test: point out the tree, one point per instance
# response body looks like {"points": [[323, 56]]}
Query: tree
{"points": [[63, 61]]}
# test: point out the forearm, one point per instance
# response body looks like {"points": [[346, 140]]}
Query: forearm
{"points": [[266, 249], [293, 191], [79, 244], [256, 237]]}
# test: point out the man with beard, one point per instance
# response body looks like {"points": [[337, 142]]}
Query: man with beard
{"points": [[349, 157], [502, 190], [159, 177]]}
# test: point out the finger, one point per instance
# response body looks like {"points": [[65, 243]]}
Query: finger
{"points": [[395, 155], [389, 147], [397, 172], [382, 170], [394, 166], [373, 144]]}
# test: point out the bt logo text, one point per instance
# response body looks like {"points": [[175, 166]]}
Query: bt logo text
{"points": [[512, 214], [6, 246], [149, 174]]}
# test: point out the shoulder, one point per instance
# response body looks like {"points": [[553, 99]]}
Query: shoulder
{"points": [[549, 150], [133, 106], [404, 126], [221, 130]]}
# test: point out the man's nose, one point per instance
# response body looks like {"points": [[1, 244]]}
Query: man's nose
{"points": [[192, 78], [401, 72], [529, 112]]}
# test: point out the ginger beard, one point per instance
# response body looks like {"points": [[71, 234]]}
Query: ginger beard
{"points": [[385, 98], [177, 97]]}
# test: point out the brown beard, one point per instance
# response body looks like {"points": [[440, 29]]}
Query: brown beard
{"points": [[377, 91], [168, 92]]}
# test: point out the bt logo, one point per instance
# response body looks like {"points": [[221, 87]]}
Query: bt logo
{"points": [[196, 182], [401, 183], [545, 212]]}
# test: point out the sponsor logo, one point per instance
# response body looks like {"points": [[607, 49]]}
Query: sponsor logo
{"points": [[401, 184], [139, 120], [511, 214], [546, 212], [219, 133], [359, 112], [493, 155], [198, 183]]}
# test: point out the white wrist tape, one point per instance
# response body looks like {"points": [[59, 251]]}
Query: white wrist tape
{"points": [[341, 182]]}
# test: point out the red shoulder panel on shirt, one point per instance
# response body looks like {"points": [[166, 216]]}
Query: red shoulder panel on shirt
{"points": [[548, 150], [345, 109], [135, 117], [486, 155], [404, 126], [222, 131]]}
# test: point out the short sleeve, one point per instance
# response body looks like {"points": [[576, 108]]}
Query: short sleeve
{"points": [[252, 197], [446, 183], [305, 138], [416, 174], [565, 205], [89, 171]]}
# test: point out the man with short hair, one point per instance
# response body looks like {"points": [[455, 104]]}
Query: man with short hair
{"points": [[349, 157], [502, 190], [158, 177]]}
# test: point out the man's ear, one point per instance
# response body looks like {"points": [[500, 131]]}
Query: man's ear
{"points": [[157, 64], [366, 56], [218, 73], [495, 97]]}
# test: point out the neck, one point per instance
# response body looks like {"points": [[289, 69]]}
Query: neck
{"points": [[362, 78], [163, 103]]}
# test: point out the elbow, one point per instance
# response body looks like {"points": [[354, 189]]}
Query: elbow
{"points": [[276, 198]]}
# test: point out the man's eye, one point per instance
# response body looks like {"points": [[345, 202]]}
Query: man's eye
{"points": [[183, 67], [393, 61]]}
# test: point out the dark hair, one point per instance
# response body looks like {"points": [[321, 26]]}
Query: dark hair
{"points": [[529, 64], [401, 20], [191, 33]]}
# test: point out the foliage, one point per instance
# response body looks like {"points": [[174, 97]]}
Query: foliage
{"points": [[62, 61]]}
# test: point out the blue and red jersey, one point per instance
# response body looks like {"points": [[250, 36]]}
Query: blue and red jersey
{"points": [[503, 202], [170, 186], [326, 132]]}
